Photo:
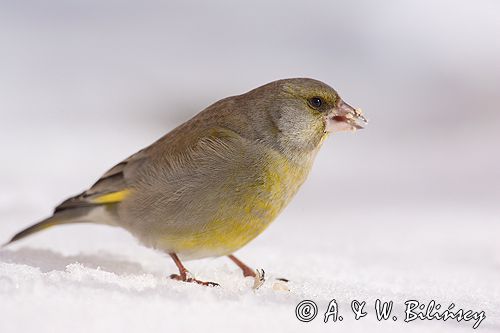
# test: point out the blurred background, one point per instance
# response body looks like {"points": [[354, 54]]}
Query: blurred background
{"points": [[84, 84]]}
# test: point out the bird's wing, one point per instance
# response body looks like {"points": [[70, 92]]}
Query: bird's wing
{"points": [[112, 187]]}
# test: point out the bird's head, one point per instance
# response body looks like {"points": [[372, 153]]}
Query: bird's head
{"points": [[303, 111]]}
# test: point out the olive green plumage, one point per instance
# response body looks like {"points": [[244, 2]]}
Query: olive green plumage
{"points": [[217, 181]]}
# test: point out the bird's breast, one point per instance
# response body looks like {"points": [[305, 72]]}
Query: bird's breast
{"points": [[216, 203], [250, 206]]}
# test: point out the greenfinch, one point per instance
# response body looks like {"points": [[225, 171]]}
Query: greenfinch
{"points": [[217, 181]]}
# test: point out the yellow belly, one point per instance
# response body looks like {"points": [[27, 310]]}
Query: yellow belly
{"points": [[248, 212]]}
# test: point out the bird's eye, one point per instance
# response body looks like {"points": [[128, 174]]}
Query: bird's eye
{"points": [[316, 102]]}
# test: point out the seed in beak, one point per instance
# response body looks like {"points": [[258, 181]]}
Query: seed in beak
{"points": [[359, 114]]}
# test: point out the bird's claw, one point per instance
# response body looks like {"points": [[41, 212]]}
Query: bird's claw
{"points": [[188, 277], [259, 278]]}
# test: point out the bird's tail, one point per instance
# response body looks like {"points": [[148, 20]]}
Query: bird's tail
{"points": [[77, 215]]}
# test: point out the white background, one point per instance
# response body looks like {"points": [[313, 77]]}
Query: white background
{"points": [[405, 209]]}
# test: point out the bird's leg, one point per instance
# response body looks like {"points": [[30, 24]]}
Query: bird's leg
{"points": [[258, 274], [247, 271], [184, 274]]}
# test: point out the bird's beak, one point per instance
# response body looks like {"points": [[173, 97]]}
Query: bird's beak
{"points": [[344, 118]]}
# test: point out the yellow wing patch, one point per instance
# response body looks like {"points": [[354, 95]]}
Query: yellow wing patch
{"points": [[113, 197]]}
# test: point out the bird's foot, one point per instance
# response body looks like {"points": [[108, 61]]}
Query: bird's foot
{"points": [[259, 278], [280, 284], [258, 275], [187, 277]]}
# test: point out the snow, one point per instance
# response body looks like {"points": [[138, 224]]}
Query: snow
{"points": [[406, 209], [125, 287], [95, 278]]}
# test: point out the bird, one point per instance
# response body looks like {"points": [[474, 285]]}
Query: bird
{"points": [[217, 181]]}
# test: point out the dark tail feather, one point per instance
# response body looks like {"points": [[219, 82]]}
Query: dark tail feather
{"points": [[65, 217]]}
